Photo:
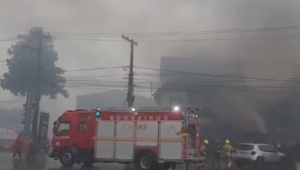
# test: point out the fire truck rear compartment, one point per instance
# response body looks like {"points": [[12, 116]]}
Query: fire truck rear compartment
{"points": [[126, 141]]}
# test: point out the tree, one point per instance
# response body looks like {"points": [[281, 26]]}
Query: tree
{"points": [[21, 77]]}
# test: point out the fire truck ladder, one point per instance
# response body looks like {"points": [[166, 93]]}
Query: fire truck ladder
{"points": [[192, 151]]}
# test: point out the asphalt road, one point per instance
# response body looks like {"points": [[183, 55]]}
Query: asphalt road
{"points": [[44, 163]]}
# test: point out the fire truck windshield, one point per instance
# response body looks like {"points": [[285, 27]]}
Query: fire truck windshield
{"points": [[63, 128]]}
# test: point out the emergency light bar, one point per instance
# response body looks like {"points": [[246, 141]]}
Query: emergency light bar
{"points": [[98, 112]]}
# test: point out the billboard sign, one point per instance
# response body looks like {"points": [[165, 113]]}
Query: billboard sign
{"points": [[43, 130]]}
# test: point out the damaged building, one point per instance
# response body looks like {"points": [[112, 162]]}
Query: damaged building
{"points": [[183, 85]]}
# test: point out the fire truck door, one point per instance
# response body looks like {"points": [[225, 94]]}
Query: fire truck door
{"points": [[83, 137], [170, 142], [125, 140], [105, 140], [147, 133]]}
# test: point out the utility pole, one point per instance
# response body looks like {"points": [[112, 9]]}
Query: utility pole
{"points": [[37, 97], [130, 96], [27, 115], [37, 91]]}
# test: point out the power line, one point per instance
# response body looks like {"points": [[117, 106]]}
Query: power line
{"points": [[169, 33], [88, 39], [185, 86], [216, 75], [97, 68], [231, 91], [188, 85], [189, 40], [262, 74], [9, 39]]}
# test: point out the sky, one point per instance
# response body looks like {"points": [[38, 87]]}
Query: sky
{"points": [[117, 17]]}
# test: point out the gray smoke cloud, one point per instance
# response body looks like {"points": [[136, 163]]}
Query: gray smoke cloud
{"points": [[243, 57]]}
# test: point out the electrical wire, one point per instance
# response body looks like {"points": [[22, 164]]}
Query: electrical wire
{"points": [[231, 91], [180, 87], [9, 39], [183, 32], [92, 69], [187, 40], [168, 33], [217, 75]]}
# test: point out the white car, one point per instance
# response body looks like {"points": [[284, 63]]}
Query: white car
{"points": [[257, 154]]}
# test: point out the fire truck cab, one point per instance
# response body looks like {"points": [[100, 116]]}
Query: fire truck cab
{"points": [[147, 137]]}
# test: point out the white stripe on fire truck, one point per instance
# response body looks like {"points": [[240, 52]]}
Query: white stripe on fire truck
{"points": [[140, 139]]}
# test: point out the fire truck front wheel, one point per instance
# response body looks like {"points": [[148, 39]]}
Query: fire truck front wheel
{"points": [[67, 157], [146, 161]]}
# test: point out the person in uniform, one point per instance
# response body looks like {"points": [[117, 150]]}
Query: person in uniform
{"points": [[216, 155], [204, 147], [227, 149]]}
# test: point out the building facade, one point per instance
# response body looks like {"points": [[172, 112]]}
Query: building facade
{"points": [[106, 99], [188, 88]]}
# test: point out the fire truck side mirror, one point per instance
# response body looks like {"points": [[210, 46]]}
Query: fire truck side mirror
{"points": [[53, 130]]}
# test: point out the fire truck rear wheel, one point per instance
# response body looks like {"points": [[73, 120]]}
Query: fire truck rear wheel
{"points": [[146, 161], [67, 157]]}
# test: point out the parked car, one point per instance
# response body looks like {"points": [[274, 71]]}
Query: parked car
{"points": [[257, 154]]}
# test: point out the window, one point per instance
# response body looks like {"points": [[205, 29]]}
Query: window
{"points": [[82, 127], [267, 148], [245, 147], [63, 128]]}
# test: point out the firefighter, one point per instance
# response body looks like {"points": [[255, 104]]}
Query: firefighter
{"points": [[17, 146], [204, 147], [227, 149], [216, 155]]}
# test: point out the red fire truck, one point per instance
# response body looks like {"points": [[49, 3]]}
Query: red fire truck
{"points": [[147, 137]]}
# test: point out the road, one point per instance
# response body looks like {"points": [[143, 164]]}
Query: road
{"points": [[44, 163]]}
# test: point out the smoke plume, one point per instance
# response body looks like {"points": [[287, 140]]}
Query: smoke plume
{"points": [[236, 53]]}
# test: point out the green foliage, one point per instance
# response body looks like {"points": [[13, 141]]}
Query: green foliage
{"points": [[22, 67]]}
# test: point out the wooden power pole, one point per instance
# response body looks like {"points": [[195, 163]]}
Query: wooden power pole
{"points": [[130, 95]]}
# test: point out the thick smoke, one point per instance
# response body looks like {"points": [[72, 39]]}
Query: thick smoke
{"points": [[275, 58], [270, 58]]}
